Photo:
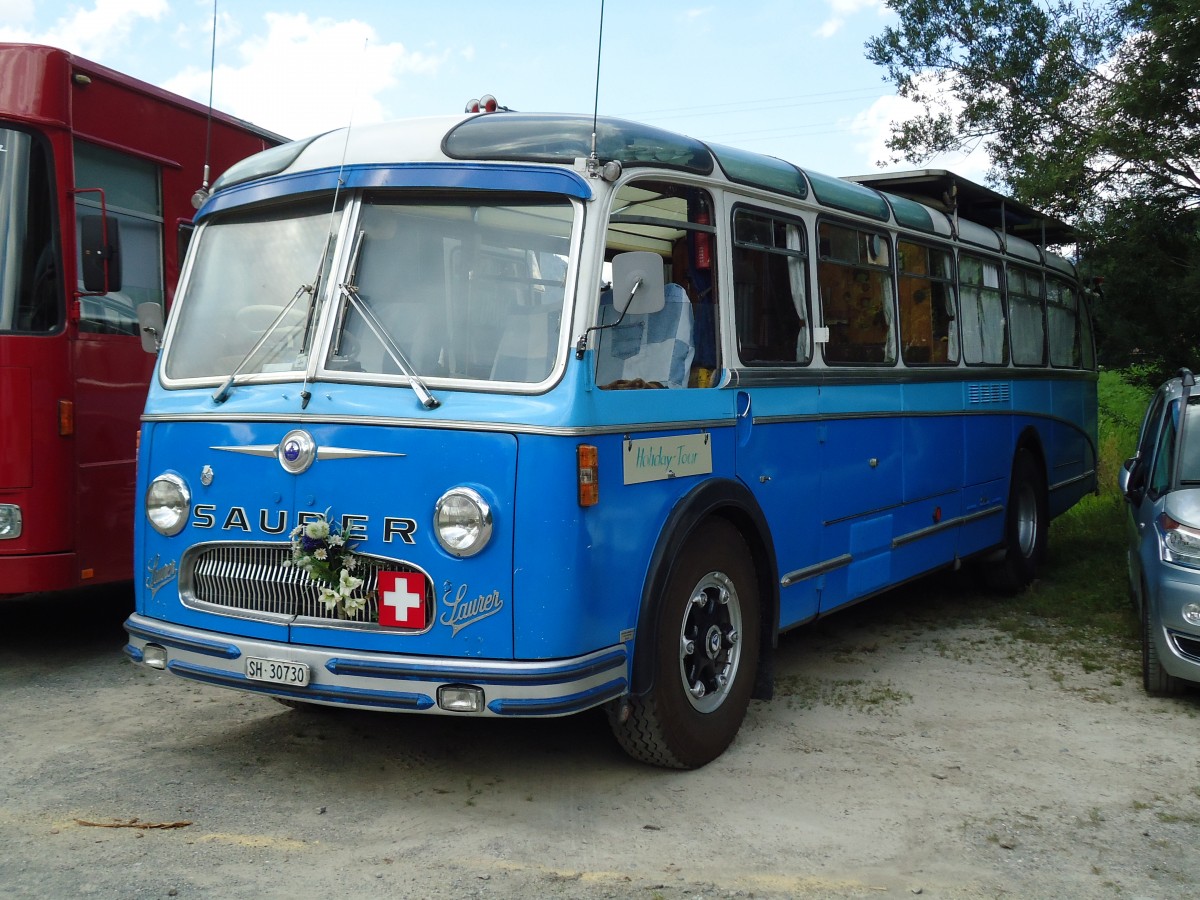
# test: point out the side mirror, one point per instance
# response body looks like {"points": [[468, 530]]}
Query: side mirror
{"points": [[638, 285], [1129, 479], [150, 325], [101, 252]]}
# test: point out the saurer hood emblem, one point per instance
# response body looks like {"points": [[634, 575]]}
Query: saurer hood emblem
{"points": [[297, 451]]}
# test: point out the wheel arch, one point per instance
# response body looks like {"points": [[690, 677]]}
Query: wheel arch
{"points": [[732, 501], [1031, 440]]}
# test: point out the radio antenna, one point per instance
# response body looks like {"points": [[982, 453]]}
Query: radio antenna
{"points": [[596, 98], [201, 195], [315, 287]]}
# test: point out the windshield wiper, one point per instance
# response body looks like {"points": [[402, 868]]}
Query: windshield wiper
{"points": [[350, 294], [221, 394]]}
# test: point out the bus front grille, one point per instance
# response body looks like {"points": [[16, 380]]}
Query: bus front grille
{"points": [[258, 581]]}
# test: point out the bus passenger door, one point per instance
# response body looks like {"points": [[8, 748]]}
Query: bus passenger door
{"points": [[778, 452], [780, 464]]}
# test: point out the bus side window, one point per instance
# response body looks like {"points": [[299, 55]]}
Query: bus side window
{"points": [[1027, 311], [770, 278], [676, 347], [134, 201], [985, 341], [1062, 319], [854, 275], [30, 284], [928, 332]]}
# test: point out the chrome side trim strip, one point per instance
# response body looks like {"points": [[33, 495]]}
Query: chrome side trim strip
{"points": [[813, 571], [901, 540], [1090, 474]]}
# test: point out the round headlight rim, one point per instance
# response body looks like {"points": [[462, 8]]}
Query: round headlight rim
{"points": [[185, 494], [486, 521]]}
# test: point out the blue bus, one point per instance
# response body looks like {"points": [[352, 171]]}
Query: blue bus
{"points": [[514, 415]]}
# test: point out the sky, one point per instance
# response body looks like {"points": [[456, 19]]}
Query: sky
{"points": [[789, 79]]}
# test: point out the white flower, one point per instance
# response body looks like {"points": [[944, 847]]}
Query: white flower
{"points": [[347, 583], [353, 605], [320, 553], [317, 529], [336, 540], [330, 598]]}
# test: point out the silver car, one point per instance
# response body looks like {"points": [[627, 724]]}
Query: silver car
{"points": [[1161, 483]]}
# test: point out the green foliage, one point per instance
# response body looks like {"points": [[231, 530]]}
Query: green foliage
{"points": [[1088, 110], [1074, 101], [1148, 315]]}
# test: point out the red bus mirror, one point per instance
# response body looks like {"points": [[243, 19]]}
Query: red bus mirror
{"points": [[101, 253]]}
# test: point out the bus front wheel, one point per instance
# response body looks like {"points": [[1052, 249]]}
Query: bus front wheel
{"points": [[706, 651]]}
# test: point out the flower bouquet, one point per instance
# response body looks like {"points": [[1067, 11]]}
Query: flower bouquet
{"points": [[321, 550]]}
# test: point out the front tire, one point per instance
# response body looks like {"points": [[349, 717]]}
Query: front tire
{"points": [[1155, 679], [706, 648]]}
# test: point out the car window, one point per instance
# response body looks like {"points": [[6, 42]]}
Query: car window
{"points": [[1189, 466], [1149, 432], [1164, 457]]}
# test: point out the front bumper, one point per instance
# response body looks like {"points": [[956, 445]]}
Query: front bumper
{"points": [[1178, 641], [384, 681]]}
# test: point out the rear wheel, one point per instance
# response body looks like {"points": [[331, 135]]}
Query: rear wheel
{"points": [[1026, 527], [706, 652], [1154, 677]]}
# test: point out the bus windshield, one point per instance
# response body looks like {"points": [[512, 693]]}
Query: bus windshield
{"points": [[466, 290], [29, 283], [250, 270]]}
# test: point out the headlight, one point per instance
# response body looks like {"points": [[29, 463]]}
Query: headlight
{"points": [[168, 504], [10, 521], [462, 522]]}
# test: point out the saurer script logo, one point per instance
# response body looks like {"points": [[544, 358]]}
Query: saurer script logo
{"points": [[461, 612]]}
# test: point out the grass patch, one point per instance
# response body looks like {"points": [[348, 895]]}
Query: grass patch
{"points": [[807, 692]]}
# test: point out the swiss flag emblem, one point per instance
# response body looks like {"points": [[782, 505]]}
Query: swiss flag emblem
{"points": [[402, 600]]}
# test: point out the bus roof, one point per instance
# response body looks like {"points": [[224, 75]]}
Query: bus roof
{"points": [[943, 190], [914, 198], [11, 62]]}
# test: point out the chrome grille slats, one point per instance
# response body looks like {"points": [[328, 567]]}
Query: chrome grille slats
{"points": [[257, 580]]}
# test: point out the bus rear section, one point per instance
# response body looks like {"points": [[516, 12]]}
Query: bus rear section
{"points": [[457, 416]]}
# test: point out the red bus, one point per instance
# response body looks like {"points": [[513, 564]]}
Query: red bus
{"points": [[97, 175]]}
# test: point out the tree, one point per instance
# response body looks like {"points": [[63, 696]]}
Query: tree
{"points": [[1089, 110]]}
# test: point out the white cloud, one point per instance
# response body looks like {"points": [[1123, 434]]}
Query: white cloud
{"points": [[841, 10], [873, 127], [306, 76], [87, 32], [15, 11]]}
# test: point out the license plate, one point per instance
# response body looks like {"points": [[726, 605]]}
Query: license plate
{"points": [[276, 671]]}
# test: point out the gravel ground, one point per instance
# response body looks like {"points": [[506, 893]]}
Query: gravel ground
{"points": [[899, 757]]}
